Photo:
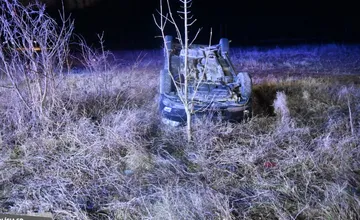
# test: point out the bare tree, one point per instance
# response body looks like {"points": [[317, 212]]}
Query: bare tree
{"points": [[69, 4], [182, 88], [34, 50], [94, 59]]}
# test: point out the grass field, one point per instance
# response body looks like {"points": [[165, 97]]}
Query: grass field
{"points": [[101, 152]]}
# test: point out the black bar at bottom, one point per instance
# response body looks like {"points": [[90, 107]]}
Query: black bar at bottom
{"points": [[22, 217]]}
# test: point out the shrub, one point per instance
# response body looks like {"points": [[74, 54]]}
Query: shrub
{"points": [[34, 52]]}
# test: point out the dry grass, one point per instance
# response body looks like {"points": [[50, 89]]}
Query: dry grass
{"points": [[298, 61], [101, 153]]}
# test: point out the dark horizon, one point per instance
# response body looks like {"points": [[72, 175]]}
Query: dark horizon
{"points": [[129, 24]]}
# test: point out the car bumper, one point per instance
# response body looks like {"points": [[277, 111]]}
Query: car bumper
{"points": [[173, 112]]}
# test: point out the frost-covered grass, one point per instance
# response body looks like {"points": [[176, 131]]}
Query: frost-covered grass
{"points": [[101, 152]]}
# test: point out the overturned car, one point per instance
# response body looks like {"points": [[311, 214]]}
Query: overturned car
{"points": [[214, 88]]}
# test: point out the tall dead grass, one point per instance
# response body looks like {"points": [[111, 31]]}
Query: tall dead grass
{"points": [[297, 61], [103, 154]]}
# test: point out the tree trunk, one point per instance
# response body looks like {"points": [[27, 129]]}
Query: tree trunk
{"points": [[188, 125], [186, 72]]}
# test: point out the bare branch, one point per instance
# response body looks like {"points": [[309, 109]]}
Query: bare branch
{"points": [[196, 35], [174, 23], [191, 23]]}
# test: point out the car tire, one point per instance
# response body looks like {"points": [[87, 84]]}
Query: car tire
{"points": [[224, 45], [244, 79], [165, 82], [168, 42]]}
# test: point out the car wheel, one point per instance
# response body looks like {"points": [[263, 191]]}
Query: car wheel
{"points": [[224, 45], [244, 79], [168, 41], [168, 45], [165, 82]]}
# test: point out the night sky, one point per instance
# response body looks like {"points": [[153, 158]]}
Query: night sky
{"points": [[128, 24]]}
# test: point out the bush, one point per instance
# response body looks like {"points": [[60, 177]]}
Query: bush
{"points": [[34, 52]]}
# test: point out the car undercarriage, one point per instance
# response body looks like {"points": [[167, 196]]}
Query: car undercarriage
{"points": [[214, 88]]}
